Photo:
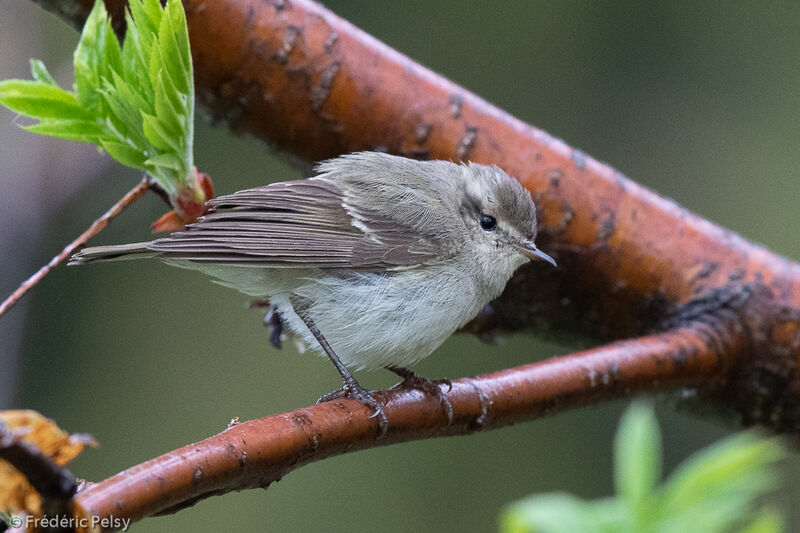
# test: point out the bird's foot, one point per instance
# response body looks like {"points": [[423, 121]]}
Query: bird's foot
{"points": [[352, 390], [272, 320], [412, 380]]}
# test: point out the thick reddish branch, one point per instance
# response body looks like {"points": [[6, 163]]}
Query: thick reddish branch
{"points": [[259, 452]]}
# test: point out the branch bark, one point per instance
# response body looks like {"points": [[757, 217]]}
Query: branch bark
{"points": [[258, 452], [630, 262]]}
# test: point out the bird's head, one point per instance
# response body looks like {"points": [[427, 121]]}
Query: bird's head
{"points": [[500, 217]]}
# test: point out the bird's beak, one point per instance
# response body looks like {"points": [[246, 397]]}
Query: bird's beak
{"points": [[529, 250]]}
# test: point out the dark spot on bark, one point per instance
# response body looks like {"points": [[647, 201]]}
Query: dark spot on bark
{"points": [[707, 269], [480, 422], [119, 504], [737, 275], [467, 143], [579, 158], [419, 153], [330, 42], [680, 360], [708, 306], [654, 307], [422, 132], [292, 33], [454, 106], [279, 5], [567, 213], [555, 175], [322, 91], [607, 227], [301, 419]]}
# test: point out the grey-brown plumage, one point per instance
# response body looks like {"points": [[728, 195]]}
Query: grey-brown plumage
{"points": [[343, 219], [301, 223]]}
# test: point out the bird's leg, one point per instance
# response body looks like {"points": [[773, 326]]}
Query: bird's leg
{"points": [[350, 387], [273, 321], [412, 380]]}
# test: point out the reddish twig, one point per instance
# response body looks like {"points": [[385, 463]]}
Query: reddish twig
{"points": [[96, 227]]}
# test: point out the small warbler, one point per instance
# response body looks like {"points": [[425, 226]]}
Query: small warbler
{"points": [[374, 261]]}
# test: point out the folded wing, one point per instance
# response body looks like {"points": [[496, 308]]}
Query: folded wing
{"points": [[309, 223]]}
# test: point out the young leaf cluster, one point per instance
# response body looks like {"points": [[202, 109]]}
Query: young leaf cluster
{"points": [[136, 101], [714, 491]]}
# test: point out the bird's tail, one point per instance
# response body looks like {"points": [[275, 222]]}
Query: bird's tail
{"points": [[136, 250]]}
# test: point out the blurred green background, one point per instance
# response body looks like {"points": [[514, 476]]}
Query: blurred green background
{"points": [[699, 102]]}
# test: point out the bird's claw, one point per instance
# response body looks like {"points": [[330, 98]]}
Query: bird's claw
{"points": [[356, 392], [412, 380]]}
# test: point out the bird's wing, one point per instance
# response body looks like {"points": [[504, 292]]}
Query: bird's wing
{"points": [[311, 223]]}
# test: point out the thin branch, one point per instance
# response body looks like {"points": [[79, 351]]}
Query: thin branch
{"points": [[258, 452], [96, 227]]}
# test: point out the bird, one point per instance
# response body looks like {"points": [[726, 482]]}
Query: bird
{"points": [[374, 261]]}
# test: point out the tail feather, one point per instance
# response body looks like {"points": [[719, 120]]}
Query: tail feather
{"points": [[136, 250]]}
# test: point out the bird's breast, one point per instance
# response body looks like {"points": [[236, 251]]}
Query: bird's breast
{"points": [[376, 320]]}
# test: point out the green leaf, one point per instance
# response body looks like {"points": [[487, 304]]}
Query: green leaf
{"points": [[125, 114], [769, 520], [135, 100], [169, 161], [73, 130], [40, 74], [637, 456], [174, 46], [153, 11], [124, 153], [87, 59], [562, 513], [40, 100], [169, 104], [736, 464], [157, 134], [715, 491]]}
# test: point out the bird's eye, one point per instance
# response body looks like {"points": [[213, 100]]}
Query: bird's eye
{"points": [[488, 222]]}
